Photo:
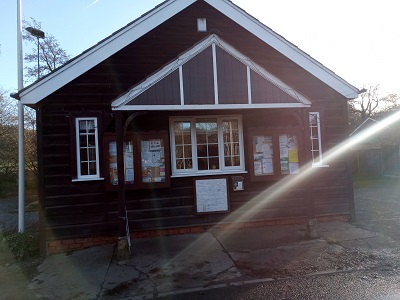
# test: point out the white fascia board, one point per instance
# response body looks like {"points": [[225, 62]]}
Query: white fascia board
{"points": [[285, 47], [210, 106], [212, 39], [100, 52]]}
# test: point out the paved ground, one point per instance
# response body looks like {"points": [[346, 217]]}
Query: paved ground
{"points": [[177, 264]]}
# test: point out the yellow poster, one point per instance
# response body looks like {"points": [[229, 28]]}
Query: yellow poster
{"points": [[293, 155]]}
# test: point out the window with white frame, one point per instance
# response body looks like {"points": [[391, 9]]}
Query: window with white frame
{"points": [[87, 148], [206, 145], [315, 136]]}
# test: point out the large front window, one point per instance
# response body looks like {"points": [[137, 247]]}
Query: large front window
{"points": [[207, 145]]}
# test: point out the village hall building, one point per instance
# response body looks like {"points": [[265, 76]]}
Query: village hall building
{"points": [[195, 115]]}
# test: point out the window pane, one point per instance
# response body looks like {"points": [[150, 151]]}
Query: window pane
{"points": [[180, 164], [187, 138], [202, 163], [84, 168], [213, 150], [92, 154], [178, 139], [201, 138], [214, 163], [82, 126], [179, 151], [232, 161], [83, 141], [212, 137], [201, 151], [84, 154], [92, 168], [183, 164]]}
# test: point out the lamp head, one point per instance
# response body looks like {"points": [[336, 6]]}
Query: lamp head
{"points": [[35, 32]]}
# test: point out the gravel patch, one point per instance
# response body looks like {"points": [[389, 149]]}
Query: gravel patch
{"points": [[9, 215]]}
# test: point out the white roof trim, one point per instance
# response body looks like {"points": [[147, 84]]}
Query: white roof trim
{"points": [[285, 47], [181, 60], [44, 87], [211, 106], [103, 50]]}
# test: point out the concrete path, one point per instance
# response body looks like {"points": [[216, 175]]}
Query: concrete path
{"points": [[175, 264]]}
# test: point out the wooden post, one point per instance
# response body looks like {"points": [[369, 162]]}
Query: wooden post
{"points": [[123, 249]]}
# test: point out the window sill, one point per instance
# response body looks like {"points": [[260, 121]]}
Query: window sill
{"points": [[87, 179], [320, 166], [209, 174]]}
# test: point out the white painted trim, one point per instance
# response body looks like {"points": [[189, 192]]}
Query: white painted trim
{"points": [[181, 90], [210, 106], [215, 73], [249, 86], [213, 40], [87, 179], [78, 152], [320, 156], [208, 174], [319, 166], [285, 47], [103, 50]]}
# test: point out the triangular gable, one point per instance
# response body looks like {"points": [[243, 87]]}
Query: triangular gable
{"points": [[122, 38], [211, 75]]}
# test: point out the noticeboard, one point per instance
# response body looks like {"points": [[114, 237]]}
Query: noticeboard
{"points": [[211, 195]]}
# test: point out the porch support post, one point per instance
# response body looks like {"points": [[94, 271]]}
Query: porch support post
{"points": [[123, 249], [312, 222]]}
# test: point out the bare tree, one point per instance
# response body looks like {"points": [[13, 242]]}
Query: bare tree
{"points": [[370, 105], [51, 55], [9, 145], [8, 138]]}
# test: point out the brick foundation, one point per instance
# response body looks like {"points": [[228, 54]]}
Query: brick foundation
{"points": [[61, 246]]}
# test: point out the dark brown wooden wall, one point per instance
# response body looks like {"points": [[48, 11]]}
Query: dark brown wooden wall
{"points": [[75, 209]]}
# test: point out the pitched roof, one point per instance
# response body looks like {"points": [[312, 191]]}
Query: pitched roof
{"points": [[120, 39]]}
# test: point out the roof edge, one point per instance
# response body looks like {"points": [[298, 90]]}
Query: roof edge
{"points": [[285, 47], [104, 49]]}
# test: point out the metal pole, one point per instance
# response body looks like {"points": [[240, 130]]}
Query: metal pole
{"points": [[38, 58], [21, 158]]}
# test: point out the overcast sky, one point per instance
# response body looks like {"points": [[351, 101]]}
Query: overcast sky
{"points": [[358, 40]]}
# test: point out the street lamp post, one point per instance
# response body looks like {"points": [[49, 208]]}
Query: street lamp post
{"points": [[21, 159], [39, 35]]}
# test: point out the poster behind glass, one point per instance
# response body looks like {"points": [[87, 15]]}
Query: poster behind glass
{"points": [[128, 162], [153, 160], [289, 153], [263, 155]]}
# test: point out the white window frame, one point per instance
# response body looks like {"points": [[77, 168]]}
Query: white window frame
{"points": [[81, 177], [223, 169], [316, 162]]}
